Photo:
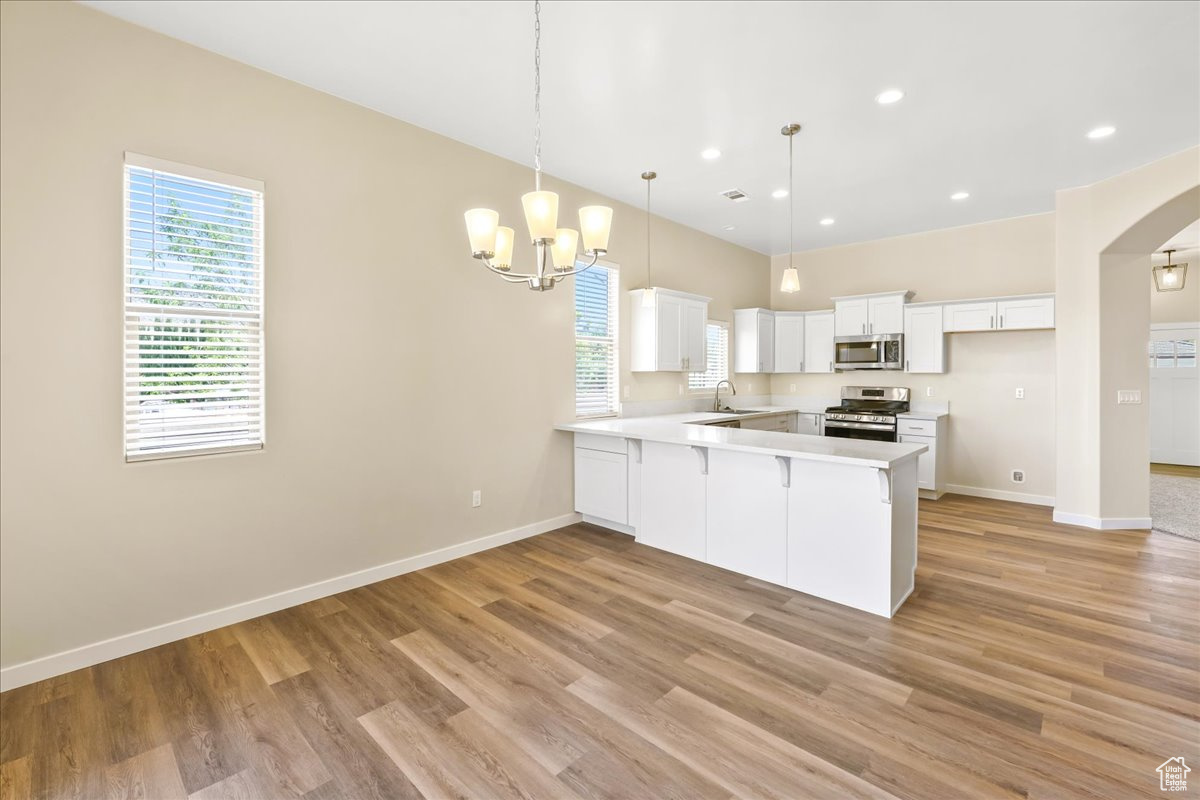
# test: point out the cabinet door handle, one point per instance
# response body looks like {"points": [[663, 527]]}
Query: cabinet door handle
{"points": [[907, 365], [864, 330], [831, 366], [991, 322], [1001, 320]]}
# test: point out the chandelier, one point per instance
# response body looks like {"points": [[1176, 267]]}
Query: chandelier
{"points": [[492, 243], [791, 277], [1169, 277]]}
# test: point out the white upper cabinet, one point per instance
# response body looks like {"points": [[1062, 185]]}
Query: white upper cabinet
{"points": [[753, 340], [668, 335], [886, 314], [789, 341], [1025, 313], [958, 317], [924, 341], [850, 317], [866, 315], [818, 341], [1029, 312]]}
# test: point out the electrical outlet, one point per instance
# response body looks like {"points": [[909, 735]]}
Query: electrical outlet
{"points": [[792, 387], [749, 387], [1020, 393], [680, 390], [476, 498], [626, 391], [929, 391], [1018, 476]]}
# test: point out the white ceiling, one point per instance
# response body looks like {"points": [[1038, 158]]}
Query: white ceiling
{"points": [[999, 96]]}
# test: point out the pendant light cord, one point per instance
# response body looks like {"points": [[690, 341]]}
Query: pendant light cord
{"points": [[791, 203], [649, 283], [537, 94]]}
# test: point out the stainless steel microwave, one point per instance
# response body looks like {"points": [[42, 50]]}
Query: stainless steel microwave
{"points": [[883, 351]]}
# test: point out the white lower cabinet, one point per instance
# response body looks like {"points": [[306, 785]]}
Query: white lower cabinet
{"points": [[784, 423], [673, 512], [930, 468], [602, 482], [747, 514], [808, 423]]}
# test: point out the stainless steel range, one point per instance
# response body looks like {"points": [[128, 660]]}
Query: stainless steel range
{"points": [[867, 412]]}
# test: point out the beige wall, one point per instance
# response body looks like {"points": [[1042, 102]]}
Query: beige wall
{"points": [[400, 375], [1104, 234], [990, 431], [1181, 306]]}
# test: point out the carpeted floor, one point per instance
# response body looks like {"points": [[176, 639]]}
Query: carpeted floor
{"points": [[1175, 505]]}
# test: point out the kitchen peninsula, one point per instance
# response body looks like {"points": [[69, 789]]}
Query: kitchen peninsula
{"points": [[834, 518]]}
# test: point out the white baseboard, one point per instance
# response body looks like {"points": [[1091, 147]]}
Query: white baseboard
{"points": [[1002, 494], [126, 644], [1102, 523]]}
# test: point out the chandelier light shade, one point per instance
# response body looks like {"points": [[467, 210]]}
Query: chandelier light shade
{"points": [[555, 248], [1170, 277], [791, 276]]}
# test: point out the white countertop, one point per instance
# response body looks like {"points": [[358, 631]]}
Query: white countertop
{"points": [[923, 414], [692, 428]]}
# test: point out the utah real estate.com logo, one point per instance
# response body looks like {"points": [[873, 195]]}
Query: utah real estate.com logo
{"points": [[1172, 775]]}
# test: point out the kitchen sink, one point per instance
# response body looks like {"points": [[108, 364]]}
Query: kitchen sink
{"points": [[741, 411]]}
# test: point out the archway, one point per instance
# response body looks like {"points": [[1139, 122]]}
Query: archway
{"points": [[1105, 234]]}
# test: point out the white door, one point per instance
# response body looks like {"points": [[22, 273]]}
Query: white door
{"points": [[669, 333], [673, 515], [886, 315], [695, 336], [747, 515], [924, 342], [766, 342], [969, 317], [601, 485], [789, 343], [818, 342], [926, 462], [809, 424], [852, 317], [1174, 395]]}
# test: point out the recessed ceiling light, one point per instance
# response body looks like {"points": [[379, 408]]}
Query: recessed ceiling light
{"points": [[889, 96], [1103, 132], [710, 154], [779, 194], [730, 227], [960, 195], [827, 221]]}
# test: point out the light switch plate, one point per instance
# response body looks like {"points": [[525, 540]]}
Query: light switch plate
{"points": [[1129, 397], [1020, 393]]}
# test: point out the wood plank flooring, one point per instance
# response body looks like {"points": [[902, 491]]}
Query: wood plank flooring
{"points": [[1033, 661], [1179, 470]]}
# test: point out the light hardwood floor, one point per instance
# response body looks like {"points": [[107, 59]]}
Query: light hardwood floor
{"points": [[1033, 661], [1175, 469]]}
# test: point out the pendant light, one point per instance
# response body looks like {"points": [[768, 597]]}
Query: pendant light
{"points": [[648, 292], [1169, 277], [791, 277], [492, 244]]}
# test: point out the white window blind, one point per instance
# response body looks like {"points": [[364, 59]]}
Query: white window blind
{"points": [[193, 310], [596, 342], [716, 339]]}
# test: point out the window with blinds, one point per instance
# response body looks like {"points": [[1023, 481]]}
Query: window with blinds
{"points": [[596, 342], [716, 339], [193, 311]]}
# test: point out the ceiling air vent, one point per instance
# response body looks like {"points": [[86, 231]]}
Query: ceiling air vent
{"points": [[736, 195]]}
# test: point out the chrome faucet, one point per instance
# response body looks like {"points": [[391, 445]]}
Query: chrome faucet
{"points": [[717, 396]]}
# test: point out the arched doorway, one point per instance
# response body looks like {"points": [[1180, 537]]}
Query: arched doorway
{"points": [[1105, 235]]}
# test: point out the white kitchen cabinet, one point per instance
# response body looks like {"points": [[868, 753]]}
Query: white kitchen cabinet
{"points": [[851, 317], [976, 316], [669, 335], [886, 314], [753, 340], [809, 424], [930, 468], [789, 341], [783, 423], [747, 514], [873, 314], [924, 339], [818, 341], [601, 478], [674, 481], [1025, 313]]}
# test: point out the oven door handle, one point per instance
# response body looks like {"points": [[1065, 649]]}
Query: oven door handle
{"points": [[862, 426]]}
